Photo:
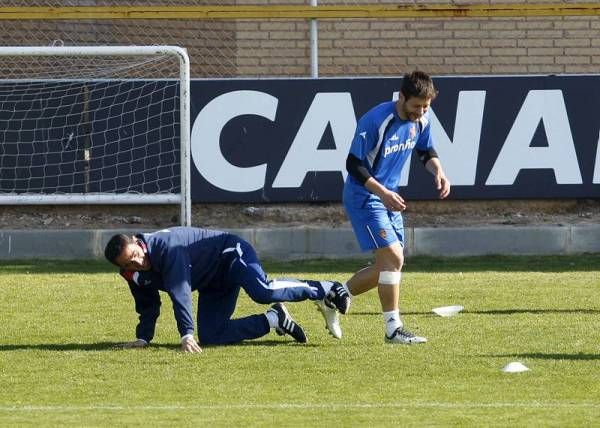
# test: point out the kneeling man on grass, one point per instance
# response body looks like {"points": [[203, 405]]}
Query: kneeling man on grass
{"points": [[217, 264]]}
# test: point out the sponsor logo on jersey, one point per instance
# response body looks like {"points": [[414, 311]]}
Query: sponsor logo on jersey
{"points": [[383, 234], [407, 145]]}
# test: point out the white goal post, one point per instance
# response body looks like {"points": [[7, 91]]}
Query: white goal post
{"points": [[95, 125]]}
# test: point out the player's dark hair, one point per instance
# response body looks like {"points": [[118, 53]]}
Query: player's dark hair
{"points": [[418, 85], [116, 245]]}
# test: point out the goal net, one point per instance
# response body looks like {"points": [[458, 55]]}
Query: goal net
{"points": [[95, 125]]}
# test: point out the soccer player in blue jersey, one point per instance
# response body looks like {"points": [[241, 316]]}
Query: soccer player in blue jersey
{"points": [[216, 264], [384, 139]]}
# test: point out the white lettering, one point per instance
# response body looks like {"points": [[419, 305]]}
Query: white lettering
{"points": [[407, 145], [459, 155], [206, 134], [549, 107], [304, 157]]}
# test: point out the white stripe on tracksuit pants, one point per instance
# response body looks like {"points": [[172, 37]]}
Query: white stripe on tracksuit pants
{"points": [[215, 308]]}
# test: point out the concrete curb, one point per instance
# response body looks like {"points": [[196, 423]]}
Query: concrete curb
{"points": [[310, 242]]}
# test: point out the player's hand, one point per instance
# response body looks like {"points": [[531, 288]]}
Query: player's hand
{"points": [[189, 344], [139, 343], [393, 201], [442, 184]]}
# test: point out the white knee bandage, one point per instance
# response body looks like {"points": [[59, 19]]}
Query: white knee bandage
{"points": [[389, 278]]}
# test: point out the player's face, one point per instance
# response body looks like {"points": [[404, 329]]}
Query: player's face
{"points": [[133, 258], [413, 108]]}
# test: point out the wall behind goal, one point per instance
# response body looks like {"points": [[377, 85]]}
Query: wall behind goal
{"points": [[264, 47], [269, 47]]}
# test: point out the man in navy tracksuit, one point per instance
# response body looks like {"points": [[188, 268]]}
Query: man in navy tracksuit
{"points": [[180, 260]]}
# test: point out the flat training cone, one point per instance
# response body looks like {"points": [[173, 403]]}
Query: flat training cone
{"points": [[515, 367], [448, 311]]}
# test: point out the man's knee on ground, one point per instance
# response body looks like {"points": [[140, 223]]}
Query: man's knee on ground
{"points": [[212, 335]]}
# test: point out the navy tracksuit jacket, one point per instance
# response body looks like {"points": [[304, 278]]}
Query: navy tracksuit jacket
{"points": [[217, 265]]}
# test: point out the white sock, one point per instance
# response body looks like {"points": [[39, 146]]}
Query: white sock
{"points": [[392, 322], [272, 318]]}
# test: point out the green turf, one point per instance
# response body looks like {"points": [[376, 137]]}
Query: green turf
{"points": [[61, 322]]}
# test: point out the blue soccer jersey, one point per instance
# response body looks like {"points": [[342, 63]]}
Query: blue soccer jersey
{"points": [[383, 142]]}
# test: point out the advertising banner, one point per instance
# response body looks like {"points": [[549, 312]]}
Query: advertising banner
{"points": [[281, 140]]}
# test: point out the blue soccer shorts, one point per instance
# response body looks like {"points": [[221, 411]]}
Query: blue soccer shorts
{"points": [[374, 226]]}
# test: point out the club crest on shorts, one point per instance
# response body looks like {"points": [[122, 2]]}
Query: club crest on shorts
{"points": [[383, 234]]}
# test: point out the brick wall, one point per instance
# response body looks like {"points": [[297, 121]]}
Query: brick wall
{"points": [[347, 47], [439, 46]]}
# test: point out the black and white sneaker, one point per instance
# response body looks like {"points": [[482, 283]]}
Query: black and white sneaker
{"points": [[338, 298], [404, 337], [286, 325]]}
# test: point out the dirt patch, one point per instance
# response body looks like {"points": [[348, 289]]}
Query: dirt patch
{"points": [[419, 214]]}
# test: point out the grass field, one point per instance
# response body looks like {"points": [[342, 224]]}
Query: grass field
{"points": [[61, 322]]}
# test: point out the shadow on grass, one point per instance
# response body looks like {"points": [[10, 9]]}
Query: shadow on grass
{"points": [[365, 313], [100, 346], [495, 312], [259, 342], [533, 311], [118, 346], [552, 356]]}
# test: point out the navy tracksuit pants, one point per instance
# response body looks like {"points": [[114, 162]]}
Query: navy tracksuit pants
{"points": [[243, 270]]}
